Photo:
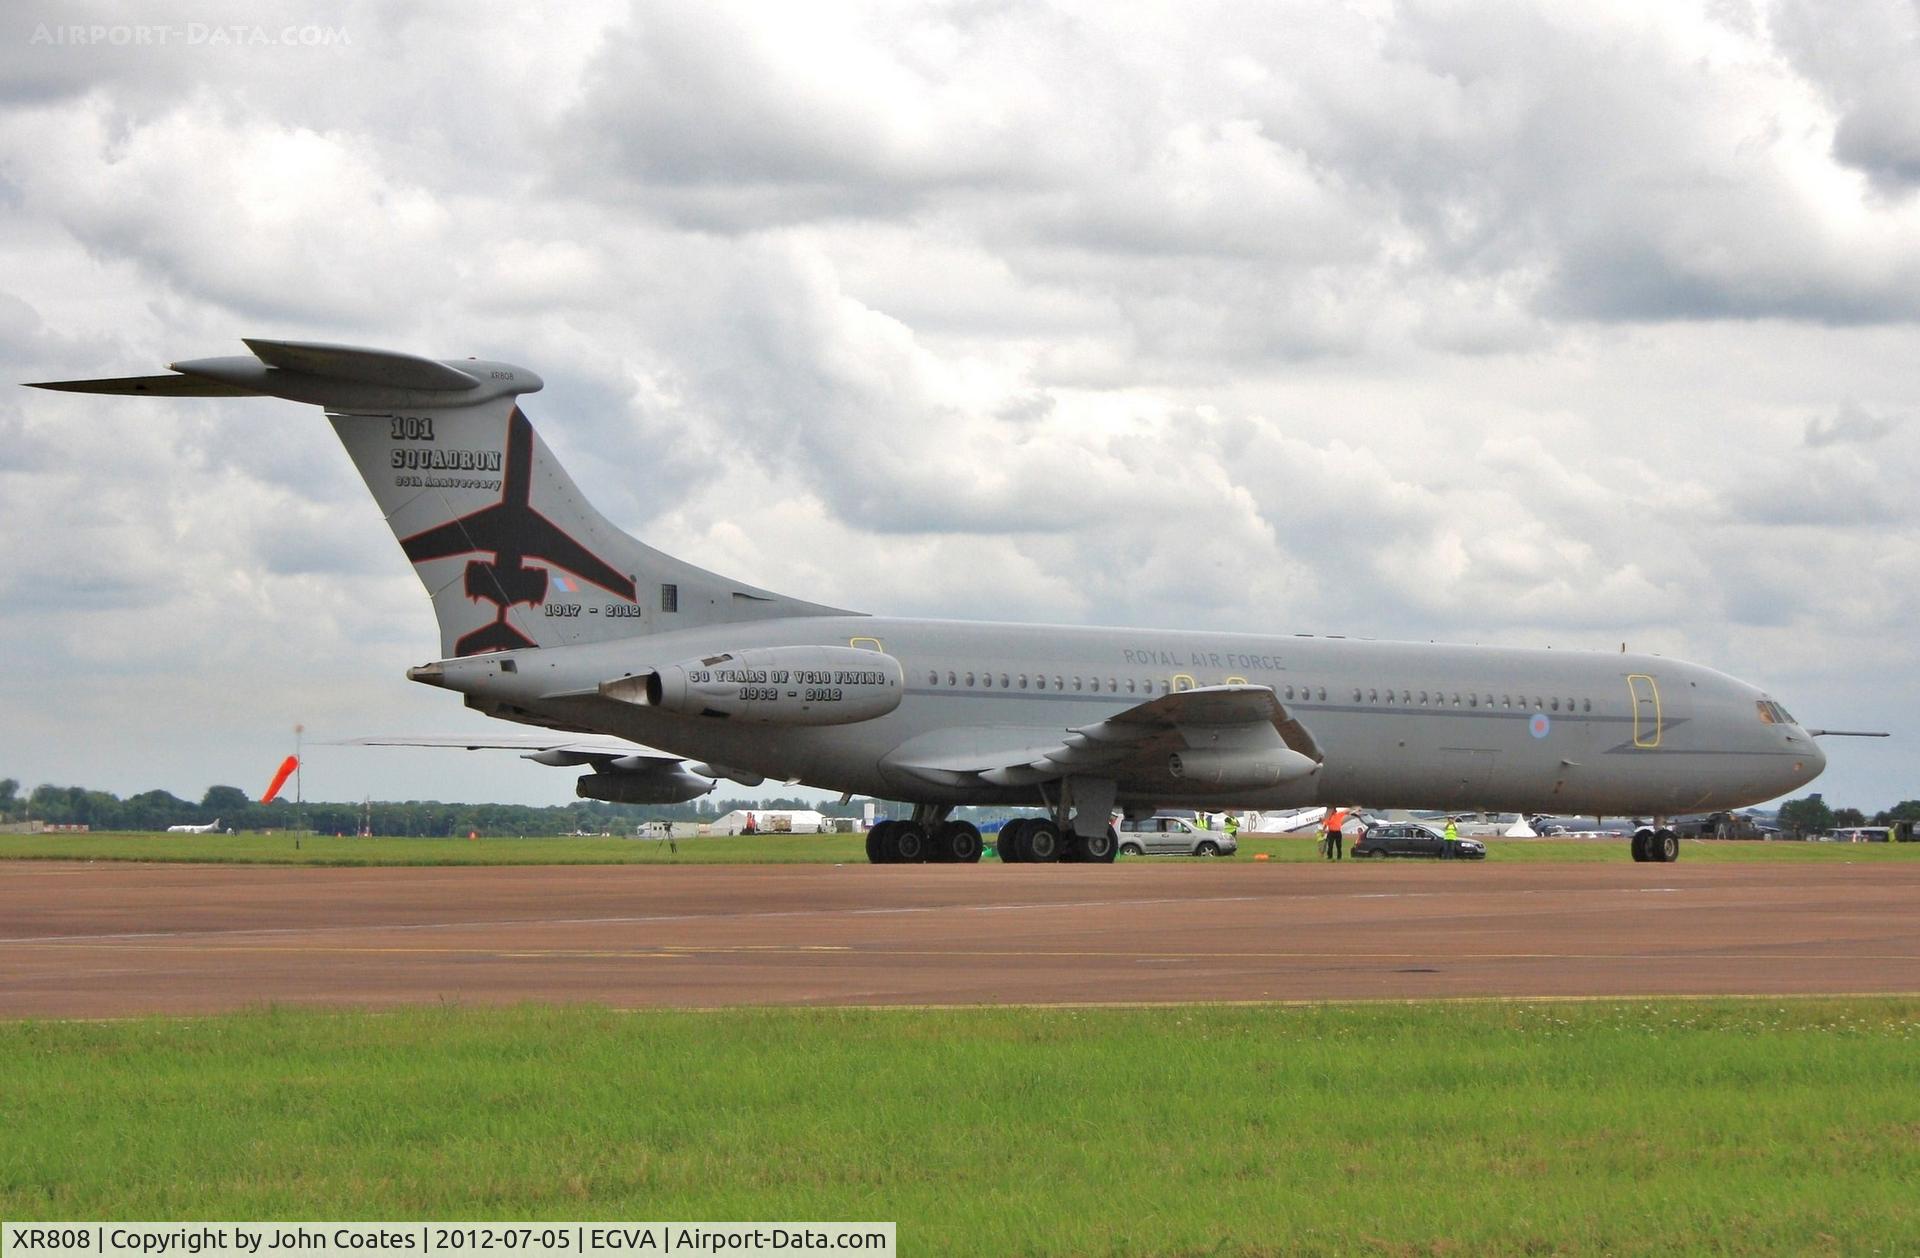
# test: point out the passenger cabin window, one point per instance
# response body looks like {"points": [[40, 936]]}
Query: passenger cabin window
{"points": [[969, 679], [1323, 694]]}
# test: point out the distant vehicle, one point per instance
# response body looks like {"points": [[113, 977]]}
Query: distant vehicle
{"points": [[212, 827], [1172, 836], [1410, 838], [1721, 825]]}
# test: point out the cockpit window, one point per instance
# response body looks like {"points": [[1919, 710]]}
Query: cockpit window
{"points": [[1766, 711], [1773, 714]]}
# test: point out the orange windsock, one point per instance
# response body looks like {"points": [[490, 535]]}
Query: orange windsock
{"points": [[280, 777]]}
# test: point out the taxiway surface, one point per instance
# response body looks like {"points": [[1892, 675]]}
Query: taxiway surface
{"points": [[112, 939]]}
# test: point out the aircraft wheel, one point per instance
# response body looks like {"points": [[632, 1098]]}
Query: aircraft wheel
{"points": [[1664, 847], [1098, 850], [910, 844], [1642, 840], [879, 844], [1012, 844], [958, 843], [1042, 842]]}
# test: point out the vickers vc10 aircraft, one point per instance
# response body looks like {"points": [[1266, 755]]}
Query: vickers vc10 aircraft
{"points": [[551, 616]]}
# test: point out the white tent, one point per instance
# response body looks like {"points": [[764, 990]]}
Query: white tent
{"points": [[770, 821]]}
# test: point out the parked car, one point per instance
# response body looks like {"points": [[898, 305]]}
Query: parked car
{"points": [[1172, 836], [1410, 838]]}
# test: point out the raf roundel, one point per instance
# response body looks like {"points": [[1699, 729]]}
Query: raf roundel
{"points": [[1539, 725]]}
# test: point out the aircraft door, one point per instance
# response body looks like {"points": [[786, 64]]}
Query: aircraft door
{"points": [[1646, 710]]}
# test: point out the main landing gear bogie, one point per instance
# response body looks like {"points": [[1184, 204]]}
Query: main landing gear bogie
{"points": [[1023, 840], [911, 843], [1661, 846]]}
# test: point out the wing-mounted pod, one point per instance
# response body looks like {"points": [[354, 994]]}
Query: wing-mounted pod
{"points": [[642, 780], [786, 685], [1240, 768]]}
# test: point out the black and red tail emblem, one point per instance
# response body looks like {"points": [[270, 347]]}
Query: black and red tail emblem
{"points": [[513, 532]]}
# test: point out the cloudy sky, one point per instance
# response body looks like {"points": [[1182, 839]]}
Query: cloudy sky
{"points": [[1562, 324]]}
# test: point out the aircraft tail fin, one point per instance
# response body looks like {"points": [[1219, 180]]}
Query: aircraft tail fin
{"points": [[510, 551]]}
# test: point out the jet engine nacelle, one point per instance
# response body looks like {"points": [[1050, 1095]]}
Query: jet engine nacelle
{"points": [[1240, 769], [782, 685], [653, 782]]}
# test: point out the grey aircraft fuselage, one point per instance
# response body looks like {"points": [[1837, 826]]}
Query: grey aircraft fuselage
{"points": [[1402, 724], [551, 615]]}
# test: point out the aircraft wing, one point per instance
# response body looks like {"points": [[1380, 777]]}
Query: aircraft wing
{"points": [[605, 753], [1188, 741], [540, 748]]}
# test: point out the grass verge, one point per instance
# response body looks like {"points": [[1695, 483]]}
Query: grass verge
{"points": [[1484, 1128]]}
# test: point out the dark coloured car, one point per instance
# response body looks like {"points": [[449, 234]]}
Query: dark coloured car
{"points": [[1410, 838]]}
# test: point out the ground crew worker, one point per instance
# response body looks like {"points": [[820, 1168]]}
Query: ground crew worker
{"points": [[1452, 836], [1335, 820], [1233, 826]]}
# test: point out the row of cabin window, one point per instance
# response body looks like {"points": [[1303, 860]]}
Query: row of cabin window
{"points": [[1305, 694], [1439, 699], [1040, 681]]}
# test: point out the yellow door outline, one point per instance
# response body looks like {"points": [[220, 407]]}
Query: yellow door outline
{"points": [[1646, 709], [1183, 682], [872, 644]]}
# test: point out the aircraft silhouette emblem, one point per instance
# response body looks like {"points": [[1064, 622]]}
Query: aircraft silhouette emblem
{"points": [[514, 532]]}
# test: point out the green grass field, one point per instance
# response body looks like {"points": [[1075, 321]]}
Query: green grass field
{"points": [[769, 849], [1470, 1128]]}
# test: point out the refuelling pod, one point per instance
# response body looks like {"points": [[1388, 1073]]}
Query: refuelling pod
{"points": [[782, 685], [646, 782], [1241, 768]]}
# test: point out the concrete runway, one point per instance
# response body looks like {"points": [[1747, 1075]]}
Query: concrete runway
{"points": [[107, 939]]}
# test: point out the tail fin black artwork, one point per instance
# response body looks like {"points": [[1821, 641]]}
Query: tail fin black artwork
{"points": [[509, 550]]}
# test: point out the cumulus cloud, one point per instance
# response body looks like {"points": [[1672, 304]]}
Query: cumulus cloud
{"points": [[1495, 321]]}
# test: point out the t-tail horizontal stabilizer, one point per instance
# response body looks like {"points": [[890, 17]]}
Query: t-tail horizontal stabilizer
{"points": [[508, 548], [339, 377]]}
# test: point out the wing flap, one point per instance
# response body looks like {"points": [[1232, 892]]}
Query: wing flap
{"points": [[1244, 733]]}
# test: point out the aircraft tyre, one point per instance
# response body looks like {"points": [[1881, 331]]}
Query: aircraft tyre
{"points": [[1642, 840], [1664, 847], [958, 843], [1043, 843], [1098, 850], [1012, 845], [910, 845], [880, 844]]}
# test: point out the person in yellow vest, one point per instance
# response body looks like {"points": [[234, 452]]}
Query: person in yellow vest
{"points": [[1452, 837]]}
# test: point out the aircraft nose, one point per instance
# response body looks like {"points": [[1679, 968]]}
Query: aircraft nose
{"points": [[1810, 765]]}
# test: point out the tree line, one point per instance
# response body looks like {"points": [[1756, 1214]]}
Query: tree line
{"points": [[1811, 815], [235, 809]]}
